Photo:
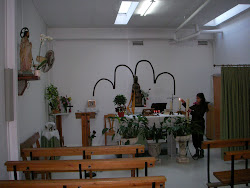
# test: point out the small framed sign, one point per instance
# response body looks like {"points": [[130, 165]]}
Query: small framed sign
{"points": [[91, 104]]}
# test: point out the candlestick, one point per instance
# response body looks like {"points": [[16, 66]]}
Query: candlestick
{"points": [[171, 106], [179, 104]]}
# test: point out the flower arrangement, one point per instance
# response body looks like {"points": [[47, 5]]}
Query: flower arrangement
{"points": [[145, 96], [40, 59], [65, 102]]}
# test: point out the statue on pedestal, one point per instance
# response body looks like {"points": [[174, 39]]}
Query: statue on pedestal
{"points": [[136, 90]]}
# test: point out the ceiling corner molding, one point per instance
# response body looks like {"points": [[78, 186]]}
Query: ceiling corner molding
{"points": [[116, 33]]}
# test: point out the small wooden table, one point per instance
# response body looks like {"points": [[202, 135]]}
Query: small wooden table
{"points": [[85, 117]]}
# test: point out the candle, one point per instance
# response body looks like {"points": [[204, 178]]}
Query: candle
{"points": [[179, 103], [187, 107], [171, 105]]}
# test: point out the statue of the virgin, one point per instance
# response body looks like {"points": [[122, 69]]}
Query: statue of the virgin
{"points": [[25, 52]]}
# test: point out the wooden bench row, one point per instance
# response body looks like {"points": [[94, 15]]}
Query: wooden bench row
{"points": [[84, 151], [235, 177], [28, 152], [81, 165], [140, 182], [245, 142]]}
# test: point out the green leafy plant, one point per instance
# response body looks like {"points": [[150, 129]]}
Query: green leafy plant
{"points": [[93, 135], [52, 96], [181, 127], [41, 64], [120, 101], [154, 133], [129, 128]]}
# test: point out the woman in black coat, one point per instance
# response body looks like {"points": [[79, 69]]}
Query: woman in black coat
{"points": [[197, 111]]}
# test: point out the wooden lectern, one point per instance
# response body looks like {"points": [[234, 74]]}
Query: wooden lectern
{"points": [[85, 117]]}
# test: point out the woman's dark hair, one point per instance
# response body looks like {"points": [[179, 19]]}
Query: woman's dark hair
{"points": [[203, 101]]}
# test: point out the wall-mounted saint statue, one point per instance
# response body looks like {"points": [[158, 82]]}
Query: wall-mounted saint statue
{"points": [[25, 52], [136, 89]]}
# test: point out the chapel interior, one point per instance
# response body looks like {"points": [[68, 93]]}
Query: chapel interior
{"points": [[124, 93]]}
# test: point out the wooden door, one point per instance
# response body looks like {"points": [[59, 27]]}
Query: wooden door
{"points": [[217, 103]]}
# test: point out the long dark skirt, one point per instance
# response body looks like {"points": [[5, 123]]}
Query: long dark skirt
{"points": [[198, 138]]}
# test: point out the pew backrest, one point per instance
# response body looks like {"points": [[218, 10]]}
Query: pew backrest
{"points": [[140, 182], [238, 155], [87, 151], [225, 143], [79, 165]]}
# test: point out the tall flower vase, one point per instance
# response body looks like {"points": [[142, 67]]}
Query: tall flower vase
{"points": [[182, 158]]}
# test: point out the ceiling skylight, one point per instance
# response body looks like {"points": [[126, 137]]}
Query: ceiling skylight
{"points": [[228, 14], [125, 12]]}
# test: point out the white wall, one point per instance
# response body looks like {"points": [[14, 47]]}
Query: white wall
{"points": [[32, 111], [3, 126], [80, 63], [233, 46]]}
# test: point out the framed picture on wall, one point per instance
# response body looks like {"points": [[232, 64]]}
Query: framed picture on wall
{"points": [[91, 104]]}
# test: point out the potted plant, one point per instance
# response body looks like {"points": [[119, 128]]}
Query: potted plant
{"points": [[129, 129], [52, 96], [182, 130], [154, 134], [120, 101]]}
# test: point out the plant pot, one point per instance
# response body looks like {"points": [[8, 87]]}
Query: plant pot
{"points": [[154, 149], [132, 141], [37, 73], [121, 114], [182, 158], [55, 111]]}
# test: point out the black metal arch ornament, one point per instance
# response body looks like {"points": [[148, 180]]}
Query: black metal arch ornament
{"points": [[101, 80], [122, 65], [134, 74]]}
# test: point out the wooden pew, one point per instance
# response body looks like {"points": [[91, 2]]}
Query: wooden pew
{"points": [[221, 144], [84, 151], [134, 150], [140, 182], [80, 165], [234, 177]]}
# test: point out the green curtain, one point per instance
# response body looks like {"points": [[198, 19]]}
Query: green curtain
{"points": [[235, 91]]}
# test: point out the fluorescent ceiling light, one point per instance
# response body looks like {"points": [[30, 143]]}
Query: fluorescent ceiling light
{"points": [[124, 7], [126, 10], [228, 14], [147, 7]]}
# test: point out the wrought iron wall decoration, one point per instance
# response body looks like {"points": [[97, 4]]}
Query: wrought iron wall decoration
{"points": [[134, 74]]}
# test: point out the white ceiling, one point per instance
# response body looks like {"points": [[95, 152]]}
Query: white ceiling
{"points": [[102, 13]]}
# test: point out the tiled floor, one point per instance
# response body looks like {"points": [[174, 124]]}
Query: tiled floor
{"points": [[191, 175]]}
